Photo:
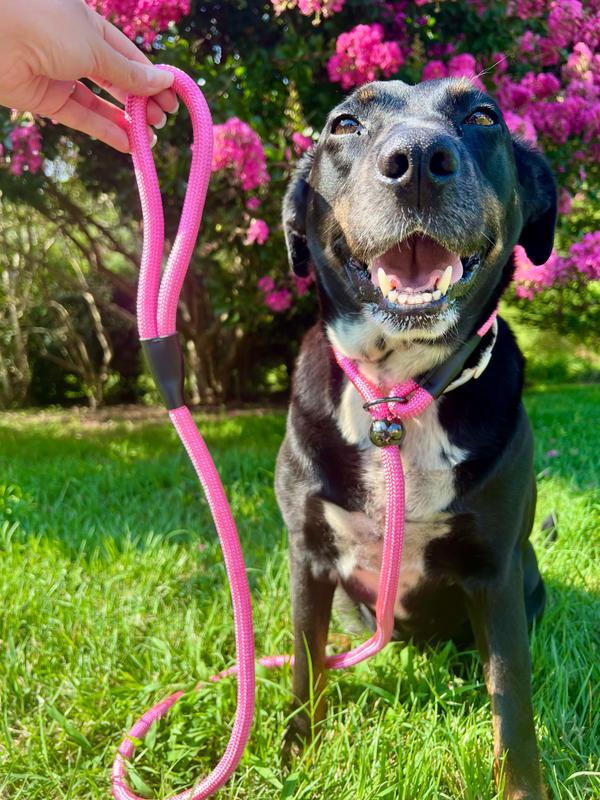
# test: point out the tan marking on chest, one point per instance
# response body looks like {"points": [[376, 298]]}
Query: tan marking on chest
{"points": [[360, 543]]}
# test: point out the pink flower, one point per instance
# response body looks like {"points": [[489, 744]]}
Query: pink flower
{"points": [[307, 7], [565, 201], [253, 204], [361, 55], [465, 66], [552, 454], [433, 70], [238, 147], [144, 18], [584, 256], [462, 65], [258, 231], [266, 283], [279, 300], [325, 7], [26, 146], [580, 65], [545, 84], [583, 261], [563, 21], [521, 125], [524, 9], [301, 143], [532, 278], [499, 62], [528, 42], [303, 285]]}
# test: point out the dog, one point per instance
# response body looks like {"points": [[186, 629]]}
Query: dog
{"points": [[407, 210]]}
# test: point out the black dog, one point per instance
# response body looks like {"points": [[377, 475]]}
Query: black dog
{"points": [[408, 209]]}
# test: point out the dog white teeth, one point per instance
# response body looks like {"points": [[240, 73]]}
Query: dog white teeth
{"points": [[402, 298], [444, 281], [426, 297], [437, 294], [393, 296], [384, 282]]}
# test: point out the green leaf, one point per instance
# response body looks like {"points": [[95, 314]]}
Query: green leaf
{"points": [[69, 728]]}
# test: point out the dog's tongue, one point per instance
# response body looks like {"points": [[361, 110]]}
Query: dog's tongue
{"points": [[417, 263]]}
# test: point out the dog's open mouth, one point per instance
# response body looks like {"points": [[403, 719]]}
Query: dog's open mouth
{"points": [[417, 274]]}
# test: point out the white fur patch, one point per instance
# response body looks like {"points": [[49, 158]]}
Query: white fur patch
{"points": [[368, 341]]}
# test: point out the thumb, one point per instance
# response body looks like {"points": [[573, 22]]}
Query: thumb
{"points": [[131, 76]]}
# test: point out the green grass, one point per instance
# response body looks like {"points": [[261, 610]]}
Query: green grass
{"points": [[113, 594]]}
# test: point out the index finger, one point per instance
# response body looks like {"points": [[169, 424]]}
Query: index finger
{"points": [[167, 99]]}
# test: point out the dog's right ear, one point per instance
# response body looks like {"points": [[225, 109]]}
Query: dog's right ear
{"points": [[294, 217], [538, 195]]}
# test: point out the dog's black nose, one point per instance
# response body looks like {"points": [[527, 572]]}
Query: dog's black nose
{"points": [[419, 160]]}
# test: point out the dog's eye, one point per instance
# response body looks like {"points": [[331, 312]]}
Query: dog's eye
{"points": [[481, 117], [343, 125]]}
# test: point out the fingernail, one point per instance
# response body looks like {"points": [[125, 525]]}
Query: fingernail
{"points": [[175, 108], [153, 140], [162, 122]]}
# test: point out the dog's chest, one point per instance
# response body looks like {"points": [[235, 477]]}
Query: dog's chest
{"points": [[428, 460]]}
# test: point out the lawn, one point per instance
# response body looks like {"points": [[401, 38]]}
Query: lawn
{"points": [[113, 594]]}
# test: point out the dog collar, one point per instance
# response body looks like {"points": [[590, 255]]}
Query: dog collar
{"points": [[473, 372]]}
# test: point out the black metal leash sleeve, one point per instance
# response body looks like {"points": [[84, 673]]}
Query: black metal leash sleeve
{"points": [[165, 362]]}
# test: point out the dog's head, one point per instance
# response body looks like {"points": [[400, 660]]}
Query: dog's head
{"points": [[409, 208]]}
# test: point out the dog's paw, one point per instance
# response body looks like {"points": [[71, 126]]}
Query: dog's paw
{"points": [[296, 737]]}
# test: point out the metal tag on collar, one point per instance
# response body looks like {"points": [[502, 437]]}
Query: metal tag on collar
{"points": [[387, 432]]}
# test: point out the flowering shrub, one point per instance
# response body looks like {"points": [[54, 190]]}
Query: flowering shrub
{"points": [[238, 147], [280, 298], [301, 143], [258, 231], [142, 18], [276, 299], [308, 7], [271, 72], [362, 55], [583, 260], [26, 149], [463, 65]]}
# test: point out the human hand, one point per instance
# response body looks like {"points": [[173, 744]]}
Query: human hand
{"points": [[48, 45]]}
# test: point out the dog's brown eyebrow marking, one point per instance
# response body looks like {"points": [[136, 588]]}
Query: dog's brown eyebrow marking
{"points": [[366, 94], [461, 86]]}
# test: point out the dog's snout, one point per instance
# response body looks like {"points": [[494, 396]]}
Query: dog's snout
{"points": [[419, 160]]}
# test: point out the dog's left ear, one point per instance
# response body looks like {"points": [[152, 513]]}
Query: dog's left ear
{"points": [[294, 217], [538, 199]]}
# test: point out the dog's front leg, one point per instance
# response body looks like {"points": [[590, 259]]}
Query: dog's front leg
{"points": [[499, 623], [312, 599]]}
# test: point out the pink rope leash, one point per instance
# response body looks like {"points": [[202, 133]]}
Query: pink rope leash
{"points": [[157, 302]]}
